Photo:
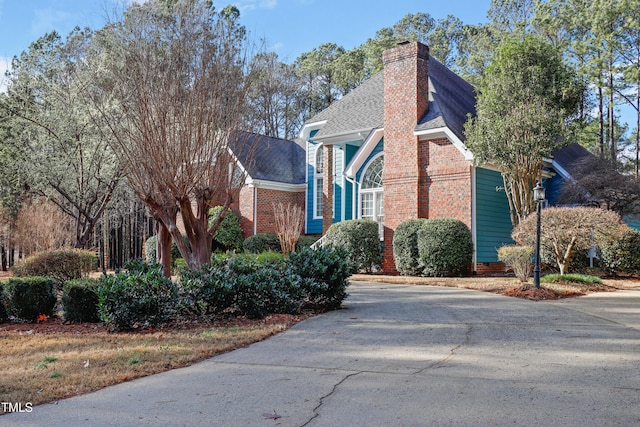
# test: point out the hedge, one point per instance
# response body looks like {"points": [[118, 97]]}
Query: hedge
{"points": [[62, 265], [30, 297]]}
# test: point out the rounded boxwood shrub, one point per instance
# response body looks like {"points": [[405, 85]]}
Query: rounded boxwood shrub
{"points": [[262, 242], [445, 247], [361, 240], [229, 235], [30, 297], [623, 255], [80, 300], [405, 247], [62, 265]]}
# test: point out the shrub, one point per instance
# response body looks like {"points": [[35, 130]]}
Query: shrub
{"points": [[3, 305], [305, 242], [30, 297], [80, 300], [405, 247], [262, 242], [229, 235], [445, 247], [138, 297], [572, 278], [623, 255], [62, 265], [517, 258], [324, 273], [361, 239], [207, 291]]}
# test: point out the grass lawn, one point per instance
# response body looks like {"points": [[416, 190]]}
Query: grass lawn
{"points": [[51, 360]]}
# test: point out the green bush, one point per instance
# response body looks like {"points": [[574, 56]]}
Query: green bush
{"points": [[324, 273], [261, 242], [207, 291], [3, 305], [305, 242], [30, 297], [517, 258], [80, 300], [405, 247], [445, 247], [361, 239], [62, 265], [229, 235], [138, 297], [623, 255], [583, 279]]}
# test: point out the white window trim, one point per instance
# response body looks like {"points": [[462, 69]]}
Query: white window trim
{"points": [[379, 191], [316, 177]]}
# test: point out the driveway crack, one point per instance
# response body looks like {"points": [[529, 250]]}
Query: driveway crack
{"points": [[316, 414]]}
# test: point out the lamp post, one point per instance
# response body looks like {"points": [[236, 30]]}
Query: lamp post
{"points": [[538, 197]]}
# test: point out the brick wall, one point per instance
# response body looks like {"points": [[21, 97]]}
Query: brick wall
{"points": [[406, 95], [264, 217], [446, 182]]}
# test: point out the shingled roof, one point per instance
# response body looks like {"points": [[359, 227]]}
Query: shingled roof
{"points": [[270, 159], [451, 98]]}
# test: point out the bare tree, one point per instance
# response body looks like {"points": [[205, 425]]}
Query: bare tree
{"points": [[42, 226], [566, 230], [597, 183], [173, 89], [289, 223]]}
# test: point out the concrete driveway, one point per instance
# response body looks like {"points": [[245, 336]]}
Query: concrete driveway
{"points": [[400, 355]]}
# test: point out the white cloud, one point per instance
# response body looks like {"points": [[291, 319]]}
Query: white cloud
{"points": [[5, 64], [246, 5]]}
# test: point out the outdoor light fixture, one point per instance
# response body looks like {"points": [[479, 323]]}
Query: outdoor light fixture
{"points": [[538, 197]]}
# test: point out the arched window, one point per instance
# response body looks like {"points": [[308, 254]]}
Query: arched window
{"points": [[318, 182], [372, 193]]}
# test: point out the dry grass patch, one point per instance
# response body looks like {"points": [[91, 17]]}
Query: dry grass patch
{"points": [[44, 365]]}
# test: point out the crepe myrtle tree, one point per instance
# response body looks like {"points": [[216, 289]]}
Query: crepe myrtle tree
{"points": [[567, 230], [171, 84]]}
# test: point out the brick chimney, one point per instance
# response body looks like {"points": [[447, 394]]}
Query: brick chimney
{"points": [[406, 99]]}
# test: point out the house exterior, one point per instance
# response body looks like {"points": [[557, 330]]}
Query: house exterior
{"points": [[393, 149], [275, 173]]}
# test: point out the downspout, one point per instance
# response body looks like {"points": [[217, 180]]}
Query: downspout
{"points": [[255, 210], [474, 231], [353, 196]]}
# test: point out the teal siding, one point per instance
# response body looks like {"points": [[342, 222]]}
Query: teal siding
{"points": [[493, 222], [350, 151]]}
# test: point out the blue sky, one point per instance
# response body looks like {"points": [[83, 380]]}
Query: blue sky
{"points": [[290, 27]]}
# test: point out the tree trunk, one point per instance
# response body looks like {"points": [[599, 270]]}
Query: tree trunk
{"points": [[163, 248]]}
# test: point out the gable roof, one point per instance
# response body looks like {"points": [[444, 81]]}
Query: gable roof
{"points": [[267, 158], [451, 98], [360, 110], [569, 157]]}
